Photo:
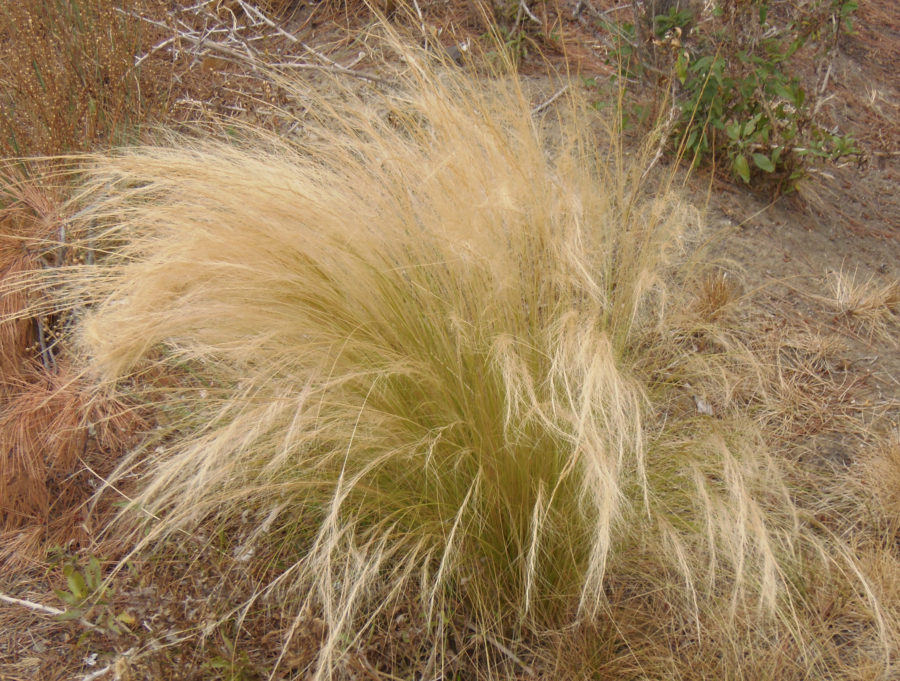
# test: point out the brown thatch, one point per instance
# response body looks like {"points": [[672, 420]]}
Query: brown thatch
{"points": [[56, 438], [28, 215]]}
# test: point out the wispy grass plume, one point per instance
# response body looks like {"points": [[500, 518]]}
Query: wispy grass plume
{"points": [[449, 342]]}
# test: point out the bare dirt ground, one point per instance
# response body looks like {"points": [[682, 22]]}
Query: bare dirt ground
{"points": [[849, 223], [786, 255]]}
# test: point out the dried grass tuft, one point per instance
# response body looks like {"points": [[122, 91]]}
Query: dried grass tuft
{"points": [[431, 344], [717, 293], [29, 219], [881, 473], [50, 428], [870, 306]]}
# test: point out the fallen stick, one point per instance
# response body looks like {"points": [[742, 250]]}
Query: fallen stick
{"points": [[33, 606], [46, 609]]}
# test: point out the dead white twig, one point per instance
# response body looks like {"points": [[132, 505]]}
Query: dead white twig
{"points": [[525, 8], [594, 11], [46, 609], [540, 108], [330, 63], [97, 674], [155, 48], [421, 19]]}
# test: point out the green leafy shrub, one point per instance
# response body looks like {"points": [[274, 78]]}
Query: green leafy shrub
{"points": [[87, 596], [739, 101]]}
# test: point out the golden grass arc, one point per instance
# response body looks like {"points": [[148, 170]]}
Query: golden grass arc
{"points": [[456, 343]]}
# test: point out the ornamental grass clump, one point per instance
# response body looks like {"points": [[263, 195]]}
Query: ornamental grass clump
{"points": [[431, 346]]}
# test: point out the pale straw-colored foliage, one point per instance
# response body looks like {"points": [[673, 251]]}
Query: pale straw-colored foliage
{"points": [[449, 340]]}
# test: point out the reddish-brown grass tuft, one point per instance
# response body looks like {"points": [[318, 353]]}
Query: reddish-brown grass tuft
{"points": [[55, 439], [28, 216]]}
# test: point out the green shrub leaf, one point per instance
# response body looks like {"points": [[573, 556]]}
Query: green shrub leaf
{"points": [[741, 167], [764, 163], [681, 67], [68, 615], [76, 582]]}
